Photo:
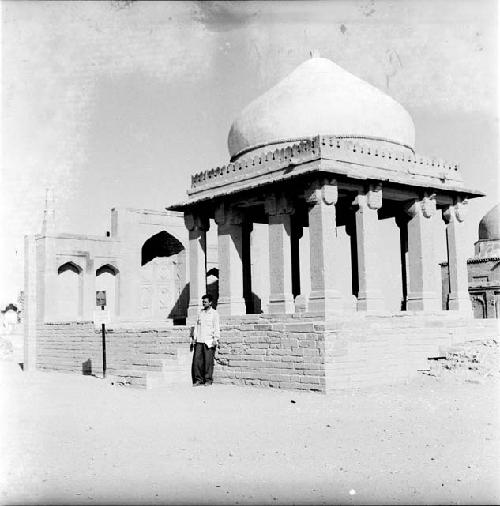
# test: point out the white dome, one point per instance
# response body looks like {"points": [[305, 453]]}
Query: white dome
{"points": [[319, 97]]}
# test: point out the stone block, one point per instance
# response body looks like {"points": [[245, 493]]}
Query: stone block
{"points": [[263, 326], [295, 359], [299, 327]]}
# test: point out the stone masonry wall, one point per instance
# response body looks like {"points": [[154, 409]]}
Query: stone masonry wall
{"points": [[371, 350], [290, 352], [130, 352], [265, 351]]}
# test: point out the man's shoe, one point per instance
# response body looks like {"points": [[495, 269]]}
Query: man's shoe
{"points": [[208, 383], [197, 384]]}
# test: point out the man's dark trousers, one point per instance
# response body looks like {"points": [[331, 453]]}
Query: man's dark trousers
{"points": [[202, 369]]}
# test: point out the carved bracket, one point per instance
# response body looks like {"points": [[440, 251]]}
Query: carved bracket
{"points": [[228, 215], [322, 191], [456, 211], [193, 222], [374, 196], [426, 206], [371, 198]]}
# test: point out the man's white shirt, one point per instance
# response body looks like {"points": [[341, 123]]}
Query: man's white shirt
{"points": [[207, 327]]}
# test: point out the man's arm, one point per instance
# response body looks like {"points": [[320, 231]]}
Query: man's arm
{"points": [[196, 330]]}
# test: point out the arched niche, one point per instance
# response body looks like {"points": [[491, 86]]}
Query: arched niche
{"points": [[108, 280], [160, 245], [69, 292], [162, 279]]}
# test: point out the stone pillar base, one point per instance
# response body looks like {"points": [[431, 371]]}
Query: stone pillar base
{"points": [[460, 302], [279, 304], [326, 302], [301, 303], [370, 301], [350, 303], [423, 302], [231, 306]]}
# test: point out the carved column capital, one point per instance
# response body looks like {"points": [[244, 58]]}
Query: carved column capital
{"points": [[374, 196], [278, 204], [195, 222], [426, 206], [228, 215], [456, 211], [371, 198], [322, 191]]}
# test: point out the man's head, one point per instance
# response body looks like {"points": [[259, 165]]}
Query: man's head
{"points": [[206, 301]]}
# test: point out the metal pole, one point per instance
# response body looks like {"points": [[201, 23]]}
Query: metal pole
{"points": [[103, 350]]}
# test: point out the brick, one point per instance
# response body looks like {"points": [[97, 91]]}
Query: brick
{"points": [[300, 327], [263, 326], [287, 358]]}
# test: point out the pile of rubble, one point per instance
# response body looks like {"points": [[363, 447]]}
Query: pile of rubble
{"points": [[473, 362]]}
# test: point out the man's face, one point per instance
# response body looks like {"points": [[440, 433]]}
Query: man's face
{"points": [[206, 303]]}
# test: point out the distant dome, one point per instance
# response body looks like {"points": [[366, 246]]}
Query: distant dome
{"points": [[489, 226], [319, 97]]}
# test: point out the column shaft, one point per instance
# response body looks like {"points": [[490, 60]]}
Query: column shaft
{"points": [[458, 299], [422, 265], [280, 264], [197, 262], [231, 301], [305, 272], [230, 250], [367, 242], [324, 297]]}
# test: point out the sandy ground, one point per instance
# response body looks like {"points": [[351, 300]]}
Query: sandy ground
{"points": [[68, 439]]}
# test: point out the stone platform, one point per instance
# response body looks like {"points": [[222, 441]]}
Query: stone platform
{"points": [[296, 352]]}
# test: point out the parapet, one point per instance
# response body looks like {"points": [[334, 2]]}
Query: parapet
{"points": [[356, 159]]}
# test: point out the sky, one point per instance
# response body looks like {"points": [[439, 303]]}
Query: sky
{"points": [[116, 104]]}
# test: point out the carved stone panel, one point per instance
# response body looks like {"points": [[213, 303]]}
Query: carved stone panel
{"points": [[158, 288]]}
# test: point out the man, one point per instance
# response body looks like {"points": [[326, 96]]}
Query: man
{"points": [[205, 339]]}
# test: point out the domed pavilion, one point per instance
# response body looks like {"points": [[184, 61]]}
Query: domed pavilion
{"points": [[484, 267], [320, 150]]}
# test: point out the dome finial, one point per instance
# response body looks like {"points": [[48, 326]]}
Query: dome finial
{"points": [[314, 53]]}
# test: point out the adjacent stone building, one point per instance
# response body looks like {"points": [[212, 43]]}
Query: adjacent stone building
{"points": [[138, 267], [483, 269]]}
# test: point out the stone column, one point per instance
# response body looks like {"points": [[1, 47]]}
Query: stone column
{"points": [[280, 254], [197, 227], [230, 235], [454, 216], [402, 223], [422, 265], [325, 297], [367, 242], [305, 274], [259, 258]]}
